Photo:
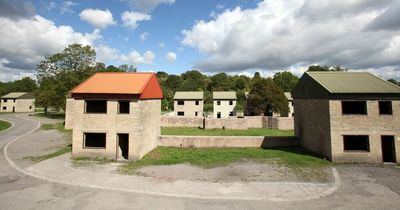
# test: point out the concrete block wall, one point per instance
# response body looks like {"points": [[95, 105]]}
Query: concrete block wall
{"points": [[20, 105], [373, 124], [227, 141], [173, 121], [189, 108]]}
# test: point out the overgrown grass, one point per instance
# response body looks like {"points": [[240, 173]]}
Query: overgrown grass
{"points": [[50, 115], [190, 131], [4, 125], [292, 157], [58, 152]]}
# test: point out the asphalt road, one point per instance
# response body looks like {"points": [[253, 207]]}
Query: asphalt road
{"points": [[363, 187]]}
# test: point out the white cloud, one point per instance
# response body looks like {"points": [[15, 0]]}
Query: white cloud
{"points": [[25, 42], [106, 54], [220, 6], [281, 34], [66, 7], [131, 19], [171, 56], [143, 36], [147, 5], [135, 58], [98, 18], [161, 45]]}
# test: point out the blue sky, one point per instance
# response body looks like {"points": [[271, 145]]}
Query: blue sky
{"points": [[163, 32], [232, 36]]}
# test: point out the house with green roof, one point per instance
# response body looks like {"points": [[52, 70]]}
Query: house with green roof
{"points": [[224, 103], [17, 102], [348, 116], [188, 103]]}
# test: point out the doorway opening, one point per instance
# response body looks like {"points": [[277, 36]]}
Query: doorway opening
{"points": [[123, 146], [388, 149], [13, 108], [218, 114]]}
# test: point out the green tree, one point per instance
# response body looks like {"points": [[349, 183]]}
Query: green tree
{"points": [[219, 82], [326, 68], [193, 81], [25, 84], [285, 80], [127, 68], [59, 73], [174, 82], [394, 81], [266, 97]]}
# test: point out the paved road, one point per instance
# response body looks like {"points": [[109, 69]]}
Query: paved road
{"points": [[364, 187]]}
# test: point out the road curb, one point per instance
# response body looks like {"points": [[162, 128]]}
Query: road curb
{"points": [[330, 190]]}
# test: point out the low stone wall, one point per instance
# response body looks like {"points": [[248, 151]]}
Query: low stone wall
{"points": [[227, 141], [174, 121], [283, 123]]}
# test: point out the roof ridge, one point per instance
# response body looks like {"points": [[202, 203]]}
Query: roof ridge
{"points": [[147, 83]]}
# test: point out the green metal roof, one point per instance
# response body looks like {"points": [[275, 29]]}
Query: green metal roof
{"points": [[20, 95], [353, 82], [189, 95], [224, 95]]}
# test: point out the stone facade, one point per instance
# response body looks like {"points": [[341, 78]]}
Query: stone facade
{"points": [[142, 124], [189, 108], [225, 107], [17, 105], [321, 126]]}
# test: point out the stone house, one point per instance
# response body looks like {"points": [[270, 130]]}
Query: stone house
{"points": [[115, 115], [289, 98], [348, 116], [188, 103], [224, 103], [18, 102]]}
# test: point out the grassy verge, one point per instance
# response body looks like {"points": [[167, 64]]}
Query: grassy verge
{"points": [[188, 131], [83, 160], [51, 115], [4, 125], [292, 157], [59, 151]]}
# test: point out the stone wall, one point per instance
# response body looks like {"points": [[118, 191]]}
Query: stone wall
{"points": [[283, 123], [311, 125], [20, 105], [373, 124], [189, 108], [227, 141]]}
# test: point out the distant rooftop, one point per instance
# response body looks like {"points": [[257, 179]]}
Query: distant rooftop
{"points": [[19, 95], [189, 95], [224, 95], [353, 82]]}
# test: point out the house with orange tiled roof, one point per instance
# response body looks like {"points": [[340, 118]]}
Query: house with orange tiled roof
{"points": [[115, 115]]}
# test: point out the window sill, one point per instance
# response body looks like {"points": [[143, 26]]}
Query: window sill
{"points": [[94, 148], [356, 151]]}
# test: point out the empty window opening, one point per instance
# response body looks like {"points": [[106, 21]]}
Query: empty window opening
{"points": [[385, 107], [96, 106], [230, 102], [181, 113], [95, 140], [388, 149], [181, 102], [356, 143], [14, 100], [123, 146], [123, 107], [197, 103], [4, 100], [195, 114], [30, 107], [354, 107], [4, 108], [218, 114], [218, 102], [231, 114]]}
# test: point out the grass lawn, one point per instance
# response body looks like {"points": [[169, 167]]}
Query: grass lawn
{"points": [[51, 115], [4, 125], [59, 151], [188, 131], [292, 157]]}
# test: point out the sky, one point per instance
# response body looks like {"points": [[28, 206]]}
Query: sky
{"points": [[232, 36]]}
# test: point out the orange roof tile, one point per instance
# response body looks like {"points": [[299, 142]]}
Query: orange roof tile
{"points": [[141, 83]]}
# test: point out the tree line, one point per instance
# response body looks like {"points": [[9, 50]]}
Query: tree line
{"points": [[59, 73]]}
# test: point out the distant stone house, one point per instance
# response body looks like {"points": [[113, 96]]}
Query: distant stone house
{"points": [[115, 115], [289, 98], [18, 102], [348, 116], [188, 103], [224, 103]]}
